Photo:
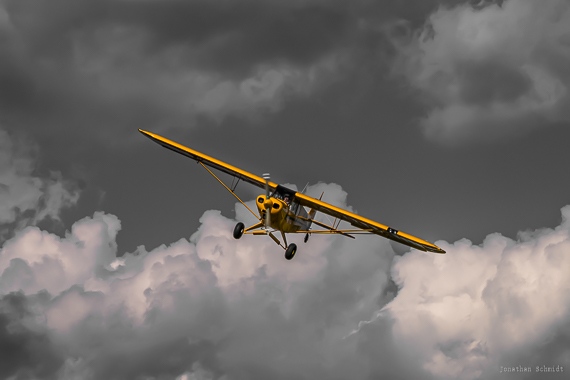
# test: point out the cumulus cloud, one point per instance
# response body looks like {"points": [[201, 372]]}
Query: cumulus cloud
{"points": [[491, 70], [206, 307], [212, 307], [482, 307], [26, 198]]}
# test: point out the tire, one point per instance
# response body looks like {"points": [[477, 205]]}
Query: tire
{"points": [[238, 230], [290, 251]]}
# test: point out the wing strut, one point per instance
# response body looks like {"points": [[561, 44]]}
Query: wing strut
{"points": [[332, 229], [235, 183], [228, 189]]}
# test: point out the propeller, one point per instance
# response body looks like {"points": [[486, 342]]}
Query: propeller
{"points": [[268, 203]]}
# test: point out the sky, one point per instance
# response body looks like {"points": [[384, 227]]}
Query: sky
{"points": [[448, 120]]}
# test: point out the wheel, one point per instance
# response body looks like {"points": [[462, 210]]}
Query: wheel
{"points": [[290, 251], [238, 230]]}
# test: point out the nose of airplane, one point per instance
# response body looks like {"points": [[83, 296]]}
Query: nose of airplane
{"points": [[268, 203]]}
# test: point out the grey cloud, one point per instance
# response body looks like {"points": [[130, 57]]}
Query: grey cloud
{"points": [[482, 70], [485, 83], [26, 198], [95, 67], [25, 345], [164, 60], [300, 30], [231, 36]]}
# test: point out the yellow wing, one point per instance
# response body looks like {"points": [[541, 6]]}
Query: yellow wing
{"points": [[326, 208], [209, 161], [367, 224]]}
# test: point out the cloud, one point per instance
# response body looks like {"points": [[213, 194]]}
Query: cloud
{"points": [[24, 341], [35, 260], [26, 198], [160, 59], [465, 314], [214, 307], [207, 306], [489, 71], [115, 61]]}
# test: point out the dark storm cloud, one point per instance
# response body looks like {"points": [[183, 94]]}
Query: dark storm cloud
{"points": [[26, 347], [489, 82], [83, 66], [232, 36], [16, 86], [66, 59], [299, 31]]}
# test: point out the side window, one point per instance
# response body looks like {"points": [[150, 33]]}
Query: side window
{"points": [[294, 207]]}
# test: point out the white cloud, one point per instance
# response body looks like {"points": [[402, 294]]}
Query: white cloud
{"points": [[464, 313], [216, 307], [492, 71], [240, 295], [36, 260]]}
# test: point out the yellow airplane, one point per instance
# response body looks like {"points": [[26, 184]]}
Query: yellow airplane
{"points": [[282, 209]]}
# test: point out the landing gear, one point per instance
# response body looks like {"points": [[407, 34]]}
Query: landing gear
{"points": [[306, 238], [290, 251], [238, 230]]}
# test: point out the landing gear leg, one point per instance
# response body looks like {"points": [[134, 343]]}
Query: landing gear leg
{"points": [[306, 238]]}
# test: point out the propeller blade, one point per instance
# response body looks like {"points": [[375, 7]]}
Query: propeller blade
{"points": [[267, 218], [266, 177]]}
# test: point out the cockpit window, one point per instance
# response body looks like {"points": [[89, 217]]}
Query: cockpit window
{"points": [[284, 194], [277, 195]]}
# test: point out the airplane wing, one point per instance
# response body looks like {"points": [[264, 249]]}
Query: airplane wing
{"points": [[367, 224], [209, 161], [326, 208]]}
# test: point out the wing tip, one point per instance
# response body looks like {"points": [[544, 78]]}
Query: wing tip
{"points": [[154, 137], [436, 249], [146, 133]]}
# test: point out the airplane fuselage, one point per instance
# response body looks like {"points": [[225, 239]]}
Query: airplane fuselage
{"points": [[283, 214]]}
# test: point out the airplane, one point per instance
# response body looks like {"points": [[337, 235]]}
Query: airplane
{"points": [[282, 209]]}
